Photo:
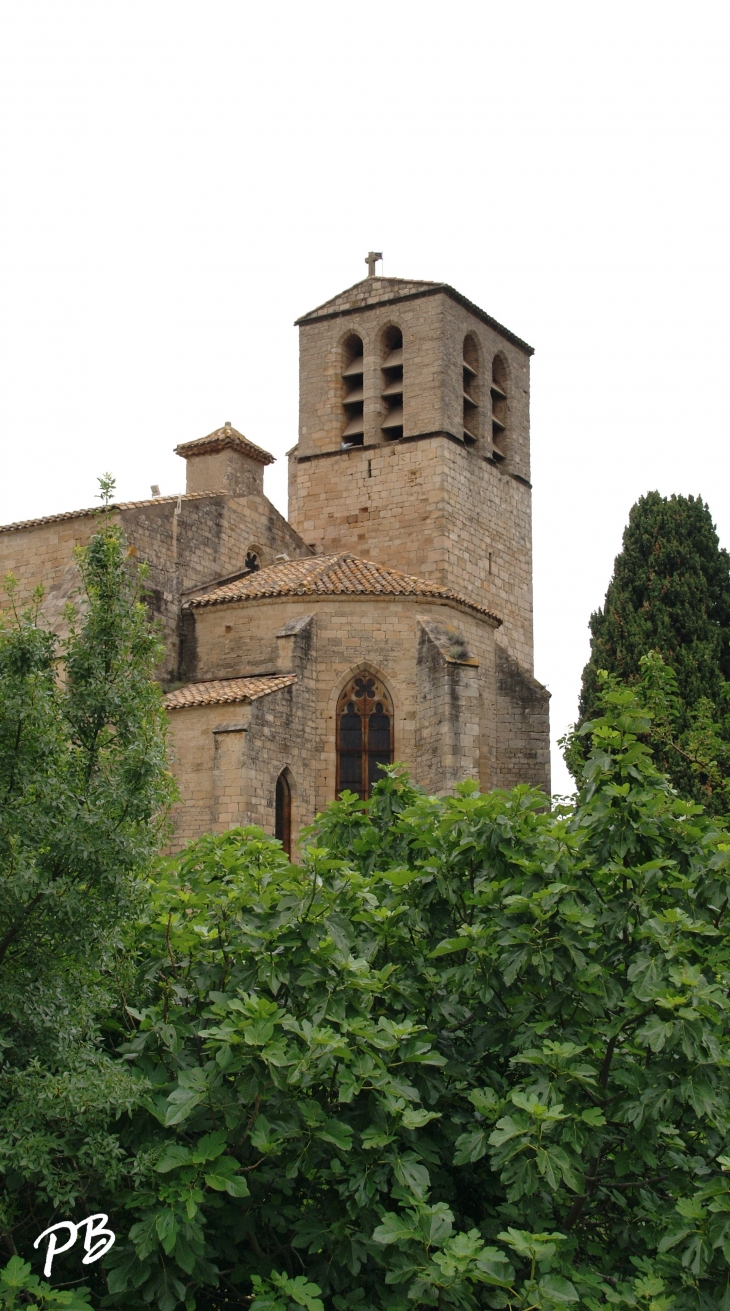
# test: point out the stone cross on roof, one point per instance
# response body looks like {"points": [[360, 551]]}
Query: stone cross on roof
{"points": [[371, 259]]}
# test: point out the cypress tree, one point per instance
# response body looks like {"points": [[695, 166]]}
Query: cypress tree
{"points": [[670, 593]]}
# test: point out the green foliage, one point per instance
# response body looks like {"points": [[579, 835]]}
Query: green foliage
{"points": [[670, 594], [21, 1289], [84, 788], [280, 1293], [107, 487], [470, 1054]]}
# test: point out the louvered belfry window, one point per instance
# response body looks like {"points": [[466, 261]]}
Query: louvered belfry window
{"points": [[392, 384], [364, 734], [354, 397], [470, 391], [499, 409]]}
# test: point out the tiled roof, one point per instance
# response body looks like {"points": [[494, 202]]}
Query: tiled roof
{"points": [[97, 509], [329, 575], [219, 440], [224, 691]]}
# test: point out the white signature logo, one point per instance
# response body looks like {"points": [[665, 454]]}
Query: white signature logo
{"points": [[97, 1239]]}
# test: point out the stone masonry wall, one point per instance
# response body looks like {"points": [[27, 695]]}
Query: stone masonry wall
{"points": [[41, 551], [227, 470], [523, 739], [207, 540], [426, 504], [351, 633], [433, 508], [227, 758], [434, 327], [448, 746], [188, 542], [454, 717]]}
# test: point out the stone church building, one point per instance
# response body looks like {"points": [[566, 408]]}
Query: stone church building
{"points": [[390, 618]]}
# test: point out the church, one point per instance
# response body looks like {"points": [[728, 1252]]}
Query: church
{"points": [[389, 618]]}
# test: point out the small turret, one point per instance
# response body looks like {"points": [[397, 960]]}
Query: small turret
{"points": [[224, 461]]}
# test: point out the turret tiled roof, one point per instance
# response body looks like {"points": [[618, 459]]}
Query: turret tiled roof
{"points": [[224, 691], [330, 575], [219, 440]]}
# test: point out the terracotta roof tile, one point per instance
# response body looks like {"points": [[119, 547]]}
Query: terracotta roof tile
{"points": [[221, 439], [330, 575], [224, 691]]}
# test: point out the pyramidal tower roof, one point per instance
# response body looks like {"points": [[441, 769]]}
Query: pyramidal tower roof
{"points": [[222, 438], [371, 291], [378, 290]]}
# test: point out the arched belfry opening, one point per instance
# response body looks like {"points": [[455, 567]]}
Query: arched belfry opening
{"points": [[499, 408], [364, 734], [282, 821], [470, 390], [353, 398], [392, 383]]}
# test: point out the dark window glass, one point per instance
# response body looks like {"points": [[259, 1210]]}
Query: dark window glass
{"points": [[282, 828], [351, 772], [350, 730], [365, 734], [379, 733], [374, 763]]}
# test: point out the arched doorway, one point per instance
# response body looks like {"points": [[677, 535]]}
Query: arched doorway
{"points": [[364, 734], [282, 822]]}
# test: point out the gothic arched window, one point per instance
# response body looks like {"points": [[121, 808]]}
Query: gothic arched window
{"points": [[282, 824], [364, 734]]}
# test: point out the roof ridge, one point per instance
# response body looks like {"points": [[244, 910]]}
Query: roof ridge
{"points": [[100, 509], [385, 568], [326, 561]]}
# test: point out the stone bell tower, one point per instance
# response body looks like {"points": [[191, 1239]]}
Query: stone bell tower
{"points": [[414, 446]]}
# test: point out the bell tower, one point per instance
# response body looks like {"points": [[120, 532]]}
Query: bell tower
{"points": [[414, 447]]}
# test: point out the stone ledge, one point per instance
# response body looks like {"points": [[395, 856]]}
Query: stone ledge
{"points": [[383, 446]]}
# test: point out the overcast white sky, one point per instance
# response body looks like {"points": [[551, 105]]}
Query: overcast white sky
{"points": [[182, 179]]}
